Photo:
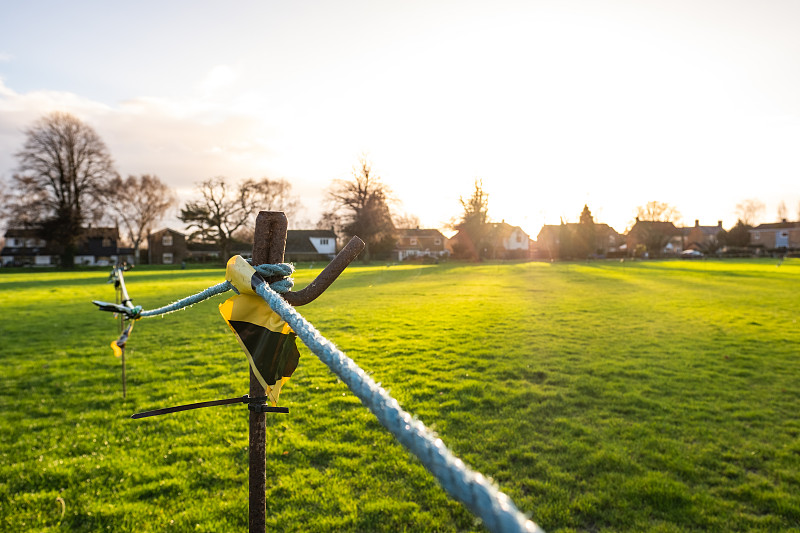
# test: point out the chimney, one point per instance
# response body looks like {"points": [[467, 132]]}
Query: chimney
{"points": [[783, 221], [719, 224], [696, 223]]}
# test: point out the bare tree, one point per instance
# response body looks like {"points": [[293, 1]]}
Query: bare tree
{"points": [[64, 169], [658, 212], [274, 195], [405, 221], [363, 205], [330, 220], [21, 201], [138, 204], [749, 211], [223, 210], [782, 212], [655, 226]]}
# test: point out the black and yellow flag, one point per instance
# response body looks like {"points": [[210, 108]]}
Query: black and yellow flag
{"points": [[266, 339]]}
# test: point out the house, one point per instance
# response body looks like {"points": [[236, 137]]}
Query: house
{"points": [[100, 246], [166, 247], [310, 245], [502, 241], [702, 238], [202, 252], [548, 242], [781, 235], [507, 241], [97, 246], [301, 245], [556, 241], [656, 237], [208, 252], [24, 247], [420, 243]]}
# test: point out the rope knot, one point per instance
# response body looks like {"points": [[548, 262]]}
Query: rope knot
{"points": [[279, 269]]}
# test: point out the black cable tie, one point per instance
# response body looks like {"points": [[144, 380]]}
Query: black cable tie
{"points": [[258, 404], [264, 408], [255, 403]]}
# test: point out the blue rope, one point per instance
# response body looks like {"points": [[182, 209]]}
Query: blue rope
{"points": [[495, 508], [225, 286], [267, 270]]}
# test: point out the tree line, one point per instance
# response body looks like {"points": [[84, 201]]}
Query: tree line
{"points": [[361, 205], [67, 181], [653, 228]]}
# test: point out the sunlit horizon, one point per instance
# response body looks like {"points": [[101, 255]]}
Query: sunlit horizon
{"points": [[552, 105]]}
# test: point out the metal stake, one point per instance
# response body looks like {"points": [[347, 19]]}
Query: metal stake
{"points": [[126, 301], [123, 373], [269, 244]]}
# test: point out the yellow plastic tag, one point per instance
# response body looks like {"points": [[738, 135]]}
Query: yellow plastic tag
{"points": [[117, 350], [239, 272]]}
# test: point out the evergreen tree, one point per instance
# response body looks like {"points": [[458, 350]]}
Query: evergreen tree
{"points": [[586, 237], [739, 235], [474, 223]]}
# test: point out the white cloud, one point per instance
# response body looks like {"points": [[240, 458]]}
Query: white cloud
{"points": [[553, 107], [182, 141], [218, 78]]}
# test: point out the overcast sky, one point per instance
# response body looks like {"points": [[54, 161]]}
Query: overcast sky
{"points": [[553, 104]]}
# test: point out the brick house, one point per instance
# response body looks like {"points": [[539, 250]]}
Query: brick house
{"points": [[97, 247], [782, 235], [25, 247], [166, 247], [100, 246], [701, 237], [659, 238], [420, 243]]}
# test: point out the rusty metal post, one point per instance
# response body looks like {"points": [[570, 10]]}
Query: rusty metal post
{"points": [[269, 244], [123, 374], [126, 301]]}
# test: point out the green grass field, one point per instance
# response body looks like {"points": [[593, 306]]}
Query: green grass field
{"points": [[646, 396]]}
